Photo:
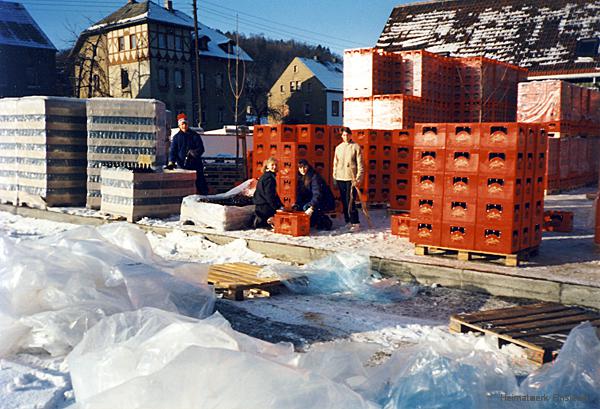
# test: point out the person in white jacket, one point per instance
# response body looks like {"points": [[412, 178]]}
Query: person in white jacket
{"points": [[348, 172]]}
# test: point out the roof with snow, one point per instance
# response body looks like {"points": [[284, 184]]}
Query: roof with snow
{"points": [[18, 28], [549, 36], [330, 74], [134, 13]]}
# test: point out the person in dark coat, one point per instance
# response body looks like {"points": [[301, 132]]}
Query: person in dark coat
{"points": [[186, 152], [313, 196], [266, 200]]}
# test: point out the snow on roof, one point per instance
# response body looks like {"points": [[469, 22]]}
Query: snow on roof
{"points": [[540, 35], [330, 74], [18, 28], [217, 39]]}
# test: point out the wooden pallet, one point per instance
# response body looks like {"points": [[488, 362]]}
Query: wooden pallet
{"points": [[511, 260], [238, 281], [540, 328]]}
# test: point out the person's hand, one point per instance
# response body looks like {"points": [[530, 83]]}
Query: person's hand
{"points": [[170, 166], [309, 211]]}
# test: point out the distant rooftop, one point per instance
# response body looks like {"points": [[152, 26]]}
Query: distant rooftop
{"points": [[133, 13], [549, 36], [18, 28], [330, 74]]}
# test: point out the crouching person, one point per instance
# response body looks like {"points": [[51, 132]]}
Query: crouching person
{"points": [[313, 196], [266, 200]]}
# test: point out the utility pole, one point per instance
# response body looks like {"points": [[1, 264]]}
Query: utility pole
{"points": [[196, 58]]}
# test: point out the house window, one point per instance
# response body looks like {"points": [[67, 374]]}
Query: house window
{"points": [[162, 77], [335, 108], [220, 115], [179, 79], [306, 108], [587, 47], [202, 86], [292, 86], [124, 78], [179, 43], [298, 86], [219, 81], [282, 89], [295, 68], [132, 42], [121, 43], [162, 40]]}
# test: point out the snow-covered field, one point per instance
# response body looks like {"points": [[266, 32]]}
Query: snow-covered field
{"points": [[354, 352]]}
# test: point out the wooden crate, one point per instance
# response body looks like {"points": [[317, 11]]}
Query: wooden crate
{"points": [[540, 328], [238, 281], [511, 260]]}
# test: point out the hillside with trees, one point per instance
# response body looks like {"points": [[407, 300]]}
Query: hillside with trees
{"points": [[271, 57]]}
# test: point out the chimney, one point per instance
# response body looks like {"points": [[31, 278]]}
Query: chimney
{"points": [[169, 5]]}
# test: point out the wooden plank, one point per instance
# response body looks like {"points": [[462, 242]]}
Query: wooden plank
{"points": [[544, 330], [519, 328], [534, 317], [511, 312]]}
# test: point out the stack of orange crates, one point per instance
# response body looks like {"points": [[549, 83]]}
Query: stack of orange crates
{"points": [[478, 186], [400, 168]]}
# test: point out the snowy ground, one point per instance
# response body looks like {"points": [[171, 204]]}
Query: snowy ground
{"points": [[36, 380]]}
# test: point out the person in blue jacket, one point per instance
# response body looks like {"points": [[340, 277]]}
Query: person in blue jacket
{"points": [[266, 200], [313, 196], [186, 152]]}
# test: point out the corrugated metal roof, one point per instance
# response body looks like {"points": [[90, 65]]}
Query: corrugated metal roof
{"points": [[539, 35], [330, 74], [18, 28]]}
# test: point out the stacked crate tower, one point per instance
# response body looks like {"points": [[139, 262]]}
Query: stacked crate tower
{"points": [[43, 154], [572, 116], [478, 186], [128, 133]]}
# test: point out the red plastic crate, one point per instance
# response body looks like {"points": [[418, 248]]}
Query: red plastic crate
{"points": [[458, 235], [498, 213], [282, 133], [501, 163], [530, 164], [426, 208], [403, 153], [430, 135], [313, 134], [460, 185], [400, 224], [403, 169], [431, 184], [425, 233], [537, 215], [403, 137], [500, 240], [536, 230], [458, 210], [463, 136], [399, 201], [526, 236], [542, 141], [500, 188], [428, 160], [528, 188], [558, 220], [401, 185], [462, 161], [292, 223], [526, 212], [503, 136], [540, 163]]}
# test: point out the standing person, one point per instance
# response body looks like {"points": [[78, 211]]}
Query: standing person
{"points": [[186, 152], [266, 200], [313, 196], [348, 172]]}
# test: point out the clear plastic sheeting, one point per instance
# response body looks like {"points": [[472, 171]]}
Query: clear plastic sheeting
{"points": [[445, 371], [223, 212], [197, 363], [573, 380], [54, 289], [340, 273]]}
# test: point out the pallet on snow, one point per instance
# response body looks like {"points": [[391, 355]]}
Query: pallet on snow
{"points": [[540, 328], [510, 260], [238, 281]]}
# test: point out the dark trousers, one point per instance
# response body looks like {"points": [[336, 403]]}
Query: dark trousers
{"points": [[349, 206], [262, 214], [201, 185]]}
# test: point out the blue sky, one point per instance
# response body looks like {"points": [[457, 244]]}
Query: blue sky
{"points": [[337, 24]]}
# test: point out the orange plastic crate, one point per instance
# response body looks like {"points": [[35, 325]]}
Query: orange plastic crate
{"points": [[400, 224], [558, 220], [292, 223]]}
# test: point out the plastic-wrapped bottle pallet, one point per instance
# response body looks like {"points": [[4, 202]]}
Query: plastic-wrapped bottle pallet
{"points": [[135, 194], [49, 136], [8, 150], [123, 132]]}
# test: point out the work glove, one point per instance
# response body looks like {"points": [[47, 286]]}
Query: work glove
{"points": [[309, 211], [170, 166]]}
